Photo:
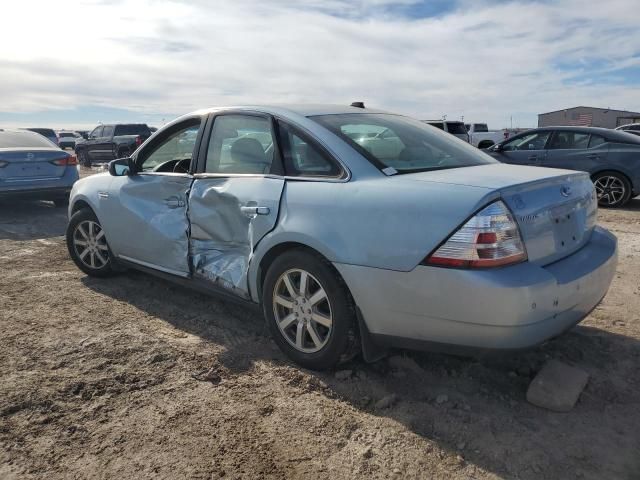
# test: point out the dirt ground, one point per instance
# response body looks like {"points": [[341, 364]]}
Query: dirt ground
{"points": [[133, 377]]}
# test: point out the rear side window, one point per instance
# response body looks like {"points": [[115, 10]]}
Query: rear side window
{"points": [[240, 144], [133, 129], [456, 128], [24, 140], [568, 140], [303, 157], [107, 131], [596, 140]]}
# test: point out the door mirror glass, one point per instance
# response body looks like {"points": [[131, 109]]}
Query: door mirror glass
{"points": [[122, 167]]}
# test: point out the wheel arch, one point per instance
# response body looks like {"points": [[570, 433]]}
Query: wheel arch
{"points": [[274, 251], [616, 171]]}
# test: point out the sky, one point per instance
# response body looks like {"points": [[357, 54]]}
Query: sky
{"points": [[76, 63]]}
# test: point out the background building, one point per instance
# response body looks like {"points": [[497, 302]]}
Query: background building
{"points": [[588, 117]]}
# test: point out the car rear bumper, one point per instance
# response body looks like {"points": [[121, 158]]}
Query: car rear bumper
{"points": [[507, 308], [40, 188]]}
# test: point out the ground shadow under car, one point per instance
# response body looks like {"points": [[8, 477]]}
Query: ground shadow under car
{"points": [[472, 407], [27, 220]]}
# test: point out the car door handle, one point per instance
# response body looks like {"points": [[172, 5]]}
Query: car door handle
{"points": [[250, 211], [593, 156], [174, 202], [533, 157]]}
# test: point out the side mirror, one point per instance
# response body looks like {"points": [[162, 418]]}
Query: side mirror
{"points": [[122, 167]]}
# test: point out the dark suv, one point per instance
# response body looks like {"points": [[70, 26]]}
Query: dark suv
{"points": [[108, 142]]}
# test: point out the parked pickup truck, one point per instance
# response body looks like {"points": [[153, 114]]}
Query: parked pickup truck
{"points": [[480, 136], [108, 142]]}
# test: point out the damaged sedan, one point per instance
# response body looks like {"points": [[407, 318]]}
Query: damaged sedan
{"points": [[353, 229]]}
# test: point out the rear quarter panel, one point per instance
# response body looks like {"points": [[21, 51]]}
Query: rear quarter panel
{"points": [[383, 223], [623, 158]]}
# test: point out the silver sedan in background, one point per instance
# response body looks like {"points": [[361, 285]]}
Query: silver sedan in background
{"points": [[352, 228]]}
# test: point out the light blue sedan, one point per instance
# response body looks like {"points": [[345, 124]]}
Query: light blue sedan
{"points": [[354, 229]]}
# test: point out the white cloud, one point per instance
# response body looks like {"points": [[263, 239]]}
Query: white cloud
{"points": [[484, 60]]}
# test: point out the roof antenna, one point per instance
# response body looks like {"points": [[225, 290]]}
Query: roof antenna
{"points": [[357, 104]]}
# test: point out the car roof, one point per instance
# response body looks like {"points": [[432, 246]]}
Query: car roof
{"points": [[306, 110], [609, 134]]}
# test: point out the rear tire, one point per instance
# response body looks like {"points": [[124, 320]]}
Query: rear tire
{"points": [[613, 189], [87, 244], [84, 159], [485, 144], [313, 320], [123, 153]]}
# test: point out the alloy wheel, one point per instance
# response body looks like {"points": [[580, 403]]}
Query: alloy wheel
{"points": [[302, 310], [610, 190], [90, 244]]}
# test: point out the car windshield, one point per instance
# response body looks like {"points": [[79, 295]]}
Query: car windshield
{"points": [[401, 143], [23, 140], [132, 130]]}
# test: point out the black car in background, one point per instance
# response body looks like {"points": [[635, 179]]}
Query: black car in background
{"points": [[630, 128], [108, 142], [611, 157], [47, 133]]}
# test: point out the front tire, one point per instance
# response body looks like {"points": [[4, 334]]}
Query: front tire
{"points": [[309, 310], [87, 244], [613, 189]]}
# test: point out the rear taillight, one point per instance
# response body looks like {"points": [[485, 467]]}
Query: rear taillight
{"points": [[490, 239], [63, 162], [139, 141]]}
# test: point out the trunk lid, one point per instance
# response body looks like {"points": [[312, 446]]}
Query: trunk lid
{"points": [[555, 209], [23, 164]]}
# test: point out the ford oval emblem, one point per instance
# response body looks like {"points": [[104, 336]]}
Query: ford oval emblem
{"points": [[565, 190]]}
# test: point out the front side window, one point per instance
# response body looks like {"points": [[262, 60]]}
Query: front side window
{"points": [[240, 144], [402, 143], [97, 132], [107, 131], [563, 140], [172, 152], [530, 141], [302, 157]]}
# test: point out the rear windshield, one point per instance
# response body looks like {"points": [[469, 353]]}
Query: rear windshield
{"points": [[66, 134], [456, 128], [24, 140], [402, 143], [47, 132], [134, 129], [480, 127]]}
